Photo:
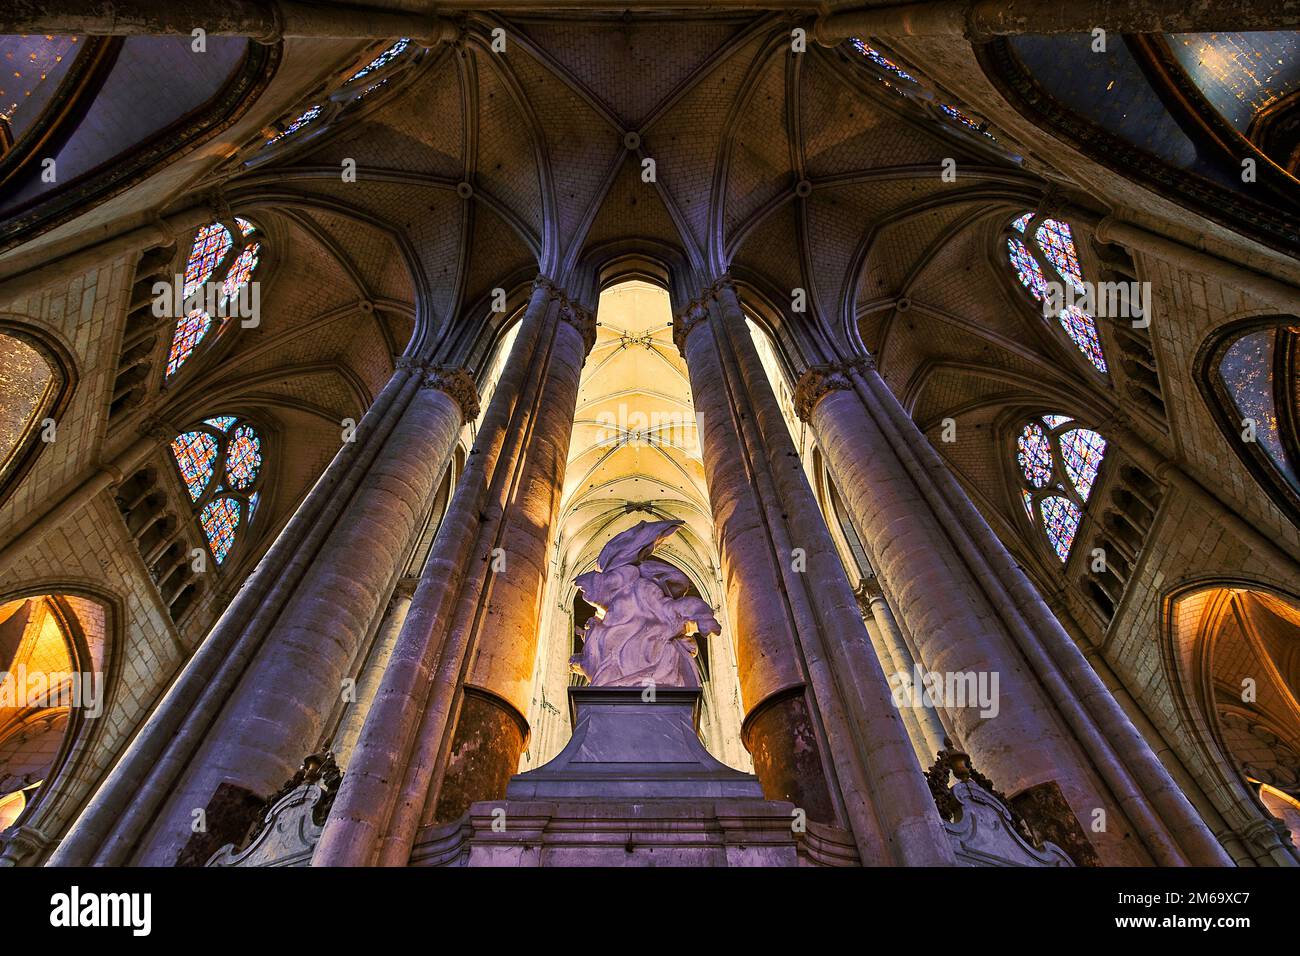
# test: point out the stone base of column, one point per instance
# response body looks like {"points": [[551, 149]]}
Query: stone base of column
{"points": [[779, 735], [485, 750], [633, 787]]}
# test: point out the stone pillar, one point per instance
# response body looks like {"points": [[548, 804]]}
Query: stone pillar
{"points": [[819, 722], [394, 768], [923, 722], [966, 620], [377, 660], [504, 611], [275, 715]]}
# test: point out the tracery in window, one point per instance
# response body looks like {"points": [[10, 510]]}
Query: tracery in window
{"points": [[210, 255], [1055, 243], [1058, 463], [225, 497]]}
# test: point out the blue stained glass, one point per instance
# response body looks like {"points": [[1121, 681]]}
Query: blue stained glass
{"points": [[1028, 499], [1034, 455], [383, 58], [1082, 450], [968, 122], [882, 61], [195, 453], [1020, 224], [221, 423], [297, 124], [253, 501], [1055, 421], [220, 521], [1061, 519]]}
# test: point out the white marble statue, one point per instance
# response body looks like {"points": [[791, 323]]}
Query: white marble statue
{"points": [[642, 633]]}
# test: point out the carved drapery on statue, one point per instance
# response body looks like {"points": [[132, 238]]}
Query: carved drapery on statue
{"points": [[643, 631]]}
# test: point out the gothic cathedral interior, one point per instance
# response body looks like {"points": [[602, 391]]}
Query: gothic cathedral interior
{"points": [[696, 432]]}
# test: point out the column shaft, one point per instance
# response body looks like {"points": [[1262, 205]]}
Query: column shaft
{"points": [[111, 823], [275, 715], [956, 629]]}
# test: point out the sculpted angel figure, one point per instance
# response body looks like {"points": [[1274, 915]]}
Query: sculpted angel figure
{"points": [[643, 632]]}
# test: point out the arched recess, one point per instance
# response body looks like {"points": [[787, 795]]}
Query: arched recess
{"points": [[37, 378], [57, 649], [634, 455], [1234, 655], [1249, 375]]}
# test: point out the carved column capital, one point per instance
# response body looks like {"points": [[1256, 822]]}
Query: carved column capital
{"points": [[581, 318], [695, 312], [723, 283], [457, 383], [158, 429], [546, 284], [816, 382], [22, 843]]}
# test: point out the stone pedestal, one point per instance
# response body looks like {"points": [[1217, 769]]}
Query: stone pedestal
{"points": [[625, 747], [634, 787]]}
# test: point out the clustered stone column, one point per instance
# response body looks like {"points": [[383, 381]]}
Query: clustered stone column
{"points": [[448, 726], [971, 610], [819, 722], [251, 701]]}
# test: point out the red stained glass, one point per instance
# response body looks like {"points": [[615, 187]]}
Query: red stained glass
{"points": [[220, 521], [195, 453]]}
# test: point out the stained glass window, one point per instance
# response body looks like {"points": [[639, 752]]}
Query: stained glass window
{"points": [[1082, 331], [1026, 266], [956, 114], [243, 458], [1046, 464], [189, 331], [1056, 241], [1081, 451], [297, 124], [221, 499], [212, 245], [1060, 522], [882, 61], [386, 57], [220, 520], [195, 453], [1035, 455]]}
